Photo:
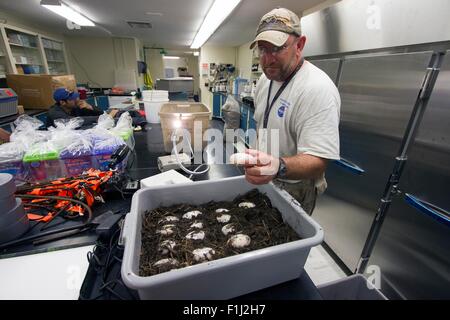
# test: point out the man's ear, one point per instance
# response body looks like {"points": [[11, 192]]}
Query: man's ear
{"points": [[301, 43]]}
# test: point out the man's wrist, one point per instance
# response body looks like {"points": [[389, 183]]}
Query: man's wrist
{"points": [[282, 169]]}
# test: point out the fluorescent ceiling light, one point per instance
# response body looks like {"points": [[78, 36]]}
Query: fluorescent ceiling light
{"points": [[171, 57], [219, 11], [67, 12]]}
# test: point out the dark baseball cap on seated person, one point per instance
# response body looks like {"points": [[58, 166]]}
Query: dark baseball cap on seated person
{"points": [[276, 26], [64, 94]]}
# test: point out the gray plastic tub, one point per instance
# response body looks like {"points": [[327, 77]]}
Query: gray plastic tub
{"points": [[227, 277], [354, 287]]}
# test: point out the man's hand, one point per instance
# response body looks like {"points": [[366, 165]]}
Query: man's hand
{"points": [[265, 169], [84, 105], [113, 112]]}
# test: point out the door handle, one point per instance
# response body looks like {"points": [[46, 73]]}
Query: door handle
{"points": [[349, 166], [427, 208]]}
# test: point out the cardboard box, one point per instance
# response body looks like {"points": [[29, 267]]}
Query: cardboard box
{"points": [[20, 109], [35, 91]]}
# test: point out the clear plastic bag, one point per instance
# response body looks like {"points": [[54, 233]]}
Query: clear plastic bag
{"points": [[64, 133], [231, 104], [231, 114], [105, 121], [68, 124], [81, 146], [11, 151], [26, 131], [27, 123], [124, 129]]}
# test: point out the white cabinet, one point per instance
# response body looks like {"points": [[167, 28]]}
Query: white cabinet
{"points": [[55, 56], [26, 52]]}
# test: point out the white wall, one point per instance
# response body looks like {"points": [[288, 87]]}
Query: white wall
{"points": [[244, 63], [175, 64], [193, 70], [216, 54], [155, 64], [94, 59]]}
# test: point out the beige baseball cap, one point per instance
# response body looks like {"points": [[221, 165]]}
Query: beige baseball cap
{"points": [[276, 26]]}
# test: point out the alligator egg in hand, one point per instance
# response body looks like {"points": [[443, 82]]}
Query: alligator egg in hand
{"points": [[246, 205], [166, 246], [224, 218], [166, 230], [191, 214], [242, 158], [203, 254], [229, 228], [194, 235], [239, 241]]}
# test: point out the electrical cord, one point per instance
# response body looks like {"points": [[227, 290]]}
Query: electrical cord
{"points": [[52, 232], [174, 138]]}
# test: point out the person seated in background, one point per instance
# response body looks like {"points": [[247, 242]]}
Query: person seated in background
{"points": [[68, 105]]}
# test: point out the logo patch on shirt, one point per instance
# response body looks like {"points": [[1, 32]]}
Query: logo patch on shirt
{"points": [[283, 108], [281, 111]]}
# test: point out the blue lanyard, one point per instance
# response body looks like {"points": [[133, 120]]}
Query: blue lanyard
{"points": [[279, 92]]}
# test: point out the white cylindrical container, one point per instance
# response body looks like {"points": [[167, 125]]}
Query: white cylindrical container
{"points": [[153, 101]]}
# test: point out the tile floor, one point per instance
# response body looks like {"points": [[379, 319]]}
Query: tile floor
{"points": [[321, 268]]}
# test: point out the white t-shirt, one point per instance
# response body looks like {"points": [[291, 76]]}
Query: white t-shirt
{"points": [[306, 115]]}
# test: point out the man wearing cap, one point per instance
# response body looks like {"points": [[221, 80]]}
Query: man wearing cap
{"points": [[68, 105], [300, 104]]}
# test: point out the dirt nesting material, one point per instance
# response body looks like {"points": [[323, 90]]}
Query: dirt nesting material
{"points": [[164, 230]]}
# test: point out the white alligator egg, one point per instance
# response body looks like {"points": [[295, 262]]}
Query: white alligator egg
{"points": [[229, 228], [197, 225], [168, 219], [222, 210], [194, 235], [166, 230], [239, 241], [191, 214], [242, 158], [203, 254], [225, 218], [246, 205], [166, 263], [166, 246]]}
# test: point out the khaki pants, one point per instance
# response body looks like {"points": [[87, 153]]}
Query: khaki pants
{"points": [[305, 192]]}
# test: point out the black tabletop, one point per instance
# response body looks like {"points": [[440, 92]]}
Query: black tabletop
{"points": [[9, 119], [103, 277]]}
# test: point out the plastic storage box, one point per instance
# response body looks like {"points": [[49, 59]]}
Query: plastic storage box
{"points": [[355, 287], [8, 102], [183, 116], [223, 278]]}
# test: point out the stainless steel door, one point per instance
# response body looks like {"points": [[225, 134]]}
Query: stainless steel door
{"points": [[378, 94], [329, 66], [413, 250]]}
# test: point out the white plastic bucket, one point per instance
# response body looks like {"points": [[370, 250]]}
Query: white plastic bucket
{"points": [[153, 100], [155, 95], [152, 109]]}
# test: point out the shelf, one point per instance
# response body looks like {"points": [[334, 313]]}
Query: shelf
{"points": [[60, 50], [56, 61], [29, 64], [2, 76], [22, 46]]}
